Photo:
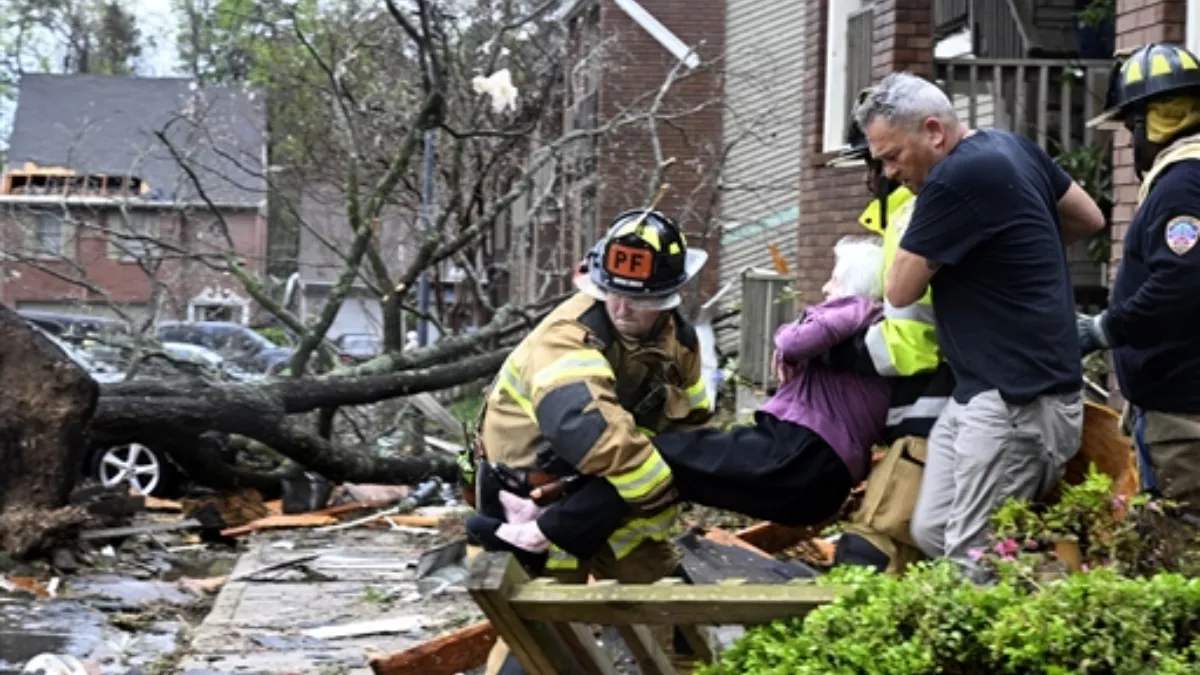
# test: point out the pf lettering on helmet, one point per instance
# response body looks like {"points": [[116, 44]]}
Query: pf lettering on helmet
{"points": [[633, 263]]}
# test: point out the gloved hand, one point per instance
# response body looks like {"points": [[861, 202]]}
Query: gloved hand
{"points": [[1092, 336]]}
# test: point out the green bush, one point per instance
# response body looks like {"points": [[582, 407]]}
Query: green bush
{"points": [[1122, 615], [936, 621]]}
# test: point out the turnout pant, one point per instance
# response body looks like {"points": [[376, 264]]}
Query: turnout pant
{"points": [[983, 452], [773, 470], [1169, 457]]}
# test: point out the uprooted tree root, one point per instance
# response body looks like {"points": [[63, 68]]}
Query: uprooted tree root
{"points": [[27, 532]]}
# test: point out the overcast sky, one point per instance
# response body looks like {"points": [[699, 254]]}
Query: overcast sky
{"points": [[156, 21]]}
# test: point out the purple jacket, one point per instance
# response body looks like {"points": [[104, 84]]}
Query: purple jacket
{"points": [[845, 409]]}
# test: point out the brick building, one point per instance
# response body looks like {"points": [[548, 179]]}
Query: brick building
{"points": [[618, 54], [1024, 65], [97, 211]]}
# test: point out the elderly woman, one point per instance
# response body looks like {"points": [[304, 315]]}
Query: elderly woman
{"points": [[810, 444]]}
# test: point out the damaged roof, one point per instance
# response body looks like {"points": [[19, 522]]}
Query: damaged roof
{"points": [[100, 124]]}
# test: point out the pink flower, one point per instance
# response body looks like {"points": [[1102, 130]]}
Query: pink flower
{"points": [[1083, 567], [1120, 502], [1006, 548], [975, 554], [1154, 506], [1031, 544]]}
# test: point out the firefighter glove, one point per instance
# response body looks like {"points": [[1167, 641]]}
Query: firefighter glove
{"points": [[1092, 336]]}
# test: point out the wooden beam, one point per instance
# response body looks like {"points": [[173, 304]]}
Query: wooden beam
{"points": [[651, 658], [582, 642], [672, 604], [449, 654], [492, 579]]}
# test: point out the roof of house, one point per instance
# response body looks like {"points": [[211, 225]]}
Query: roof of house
{"points": [[99, 124]]}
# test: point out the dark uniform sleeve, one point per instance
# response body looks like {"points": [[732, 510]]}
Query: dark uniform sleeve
{"points": [[1169, 301]]}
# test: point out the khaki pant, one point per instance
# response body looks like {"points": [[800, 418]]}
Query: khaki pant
{"points": [[1173, 441], [984, 452], [646, 564], [884, 517]]}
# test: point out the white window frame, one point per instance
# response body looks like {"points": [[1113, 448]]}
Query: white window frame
{"points": [[66, 236], [836, 43], [1193, 26], [139, 223]]}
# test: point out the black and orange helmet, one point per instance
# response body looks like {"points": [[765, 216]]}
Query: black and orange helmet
{"points": [[644, 254]]}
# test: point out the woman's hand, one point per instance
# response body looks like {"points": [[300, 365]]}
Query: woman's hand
{"points": [[782, 370]]}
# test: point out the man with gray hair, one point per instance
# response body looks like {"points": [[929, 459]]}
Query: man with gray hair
{"points": [[988, 236]]}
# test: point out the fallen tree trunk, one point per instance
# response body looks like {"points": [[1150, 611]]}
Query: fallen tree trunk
{"points": [[46, 401], [173, 416]]}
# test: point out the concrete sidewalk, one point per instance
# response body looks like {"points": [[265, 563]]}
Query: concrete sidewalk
{"points": [[337, 582]]}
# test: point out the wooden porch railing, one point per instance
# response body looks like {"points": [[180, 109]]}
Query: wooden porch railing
{"points": [[546, 624], [1047, 100]]}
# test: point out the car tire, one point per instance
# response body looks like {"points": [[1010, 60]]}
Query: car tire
{"points": [[138, 467]]}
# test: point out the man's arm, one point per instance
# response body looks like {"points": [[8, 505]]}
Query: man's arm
{"points": [[1079, 216], [1168, 302], [908, 278]]}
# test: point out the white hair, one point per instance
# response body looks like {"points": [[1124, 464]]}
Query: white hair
{"points": [[903, 99], [858, 266]]}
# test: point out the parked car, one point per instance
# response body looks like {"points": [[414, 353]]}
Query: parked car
{"points": [[106, 340], [238, 345], [357, 347]]}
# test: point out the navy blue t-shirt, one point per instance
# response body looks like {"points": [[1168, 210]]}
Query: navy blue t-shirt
{"points": [[1154, 310], [1003, 300]]}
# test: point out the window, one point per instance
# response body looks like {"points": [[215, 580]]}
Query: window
{"points": [[130, 235], [1193, 25], [49, 235], [847, 64]]}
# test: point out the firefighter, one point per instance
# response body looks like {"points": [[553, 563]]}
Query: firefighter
{"points": [[902, 346], [1154, 311], [584, 391]]}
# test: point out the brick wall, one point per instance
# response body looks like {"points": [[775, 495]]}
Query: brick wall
{"points": [[1138, 22], [637, 65], [832, 199], [125, 282]]}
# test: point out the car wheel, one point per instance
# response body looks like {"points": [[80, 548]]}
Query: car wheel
{"points": [[136, 466]]}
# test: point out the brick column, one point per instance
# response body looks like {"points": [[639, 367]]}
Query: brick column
{"points": [[832, 199], [1138, 22], [903, 37]]}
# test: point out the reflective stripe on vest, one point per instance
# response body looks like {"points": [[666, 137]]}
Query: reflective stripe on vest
{"points": [[624, 540]]}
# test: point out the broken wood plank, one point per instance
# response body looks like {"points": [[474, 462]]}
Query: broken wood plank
{"points": [[413, 520], [651, 658], [156, 504], [673, 604], [281, 522], [720, 536], [582, 643], [118, 532], [448, 654], [772, 538]]}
